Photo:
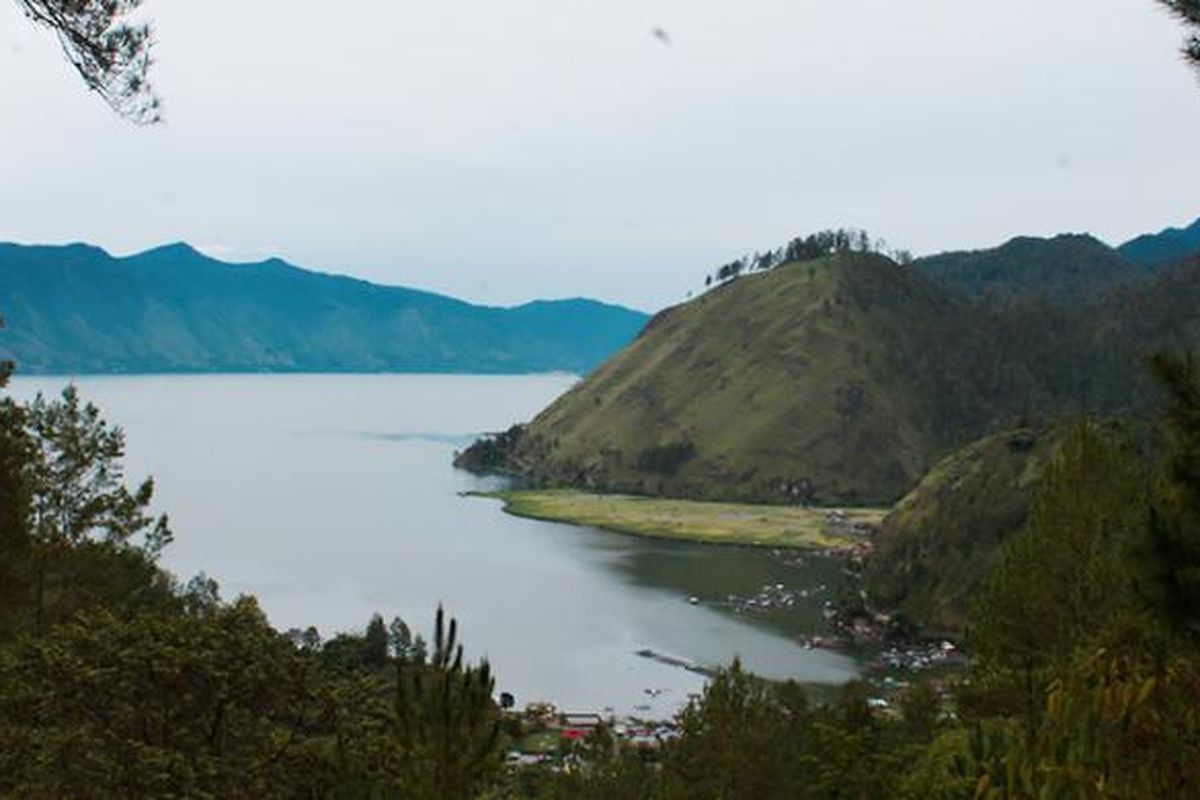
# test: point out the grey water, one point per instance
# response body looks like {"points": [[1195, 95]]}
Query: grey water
{"points": [[331, 497]]}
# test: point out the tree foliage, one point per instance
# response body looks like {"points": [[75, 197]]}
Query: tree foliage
{"points": [[1174, 545], [78, 479], [108, 50], [157, 705], [1066, 577], [807, 248], [128, 685], [1082, 689], [72, 534], [446, 721], [1188, 11]]}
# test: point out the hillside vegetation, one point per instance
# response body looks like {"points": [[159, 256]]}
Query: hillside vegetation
{"points": [[1164, 247], [799, 383], [844, 380], [942, 538], [77, 309], [116, 681], [1062, 266]]}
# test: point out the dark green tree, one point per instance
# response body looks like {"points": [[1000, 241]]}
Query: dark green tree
{"points": [[160, 705], [375, 643], [400, 639], [1063, 582], [90, 536], [1174, 541], [921, 711], [79, 491], [446, 723], [419, 650], [732, 743], [16, 509]]}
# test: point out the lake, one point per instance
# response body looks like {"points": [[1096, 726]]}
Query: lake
{"points": [[331, 497]]}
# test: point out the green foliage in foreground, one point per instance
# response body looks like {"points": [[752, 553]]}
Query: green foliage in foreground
{"points": [[1086, 682], [746, 739], [116, 682]]}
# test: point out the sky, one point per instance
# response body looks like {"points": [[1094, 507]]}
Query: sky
{"points": [[505, 150]]}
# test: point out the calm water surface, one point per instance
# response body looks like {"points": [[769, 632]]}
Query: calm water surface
{"points": [[332, 497]]}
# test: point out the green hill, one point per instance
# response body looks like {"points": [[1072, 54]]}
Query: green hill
{"points": [[944, 536], [940, 541], [841, 380], [797, 383], [77, 309]]}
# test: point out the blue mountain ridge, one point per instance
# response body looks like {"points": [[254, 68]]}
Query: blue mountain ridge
{"points": [[77, 309]]}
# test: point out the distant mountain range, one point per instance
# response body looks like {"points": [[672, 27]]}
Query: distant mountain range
{"points": [[77, 309], [1060, 266], [1055, 267]]}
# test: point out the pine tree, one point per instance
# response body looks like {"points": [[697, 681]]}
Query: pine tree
{"points": [[16, 509], [447, 726], [1174, 546], [400, 639], [375, 643], [1065, 579]]}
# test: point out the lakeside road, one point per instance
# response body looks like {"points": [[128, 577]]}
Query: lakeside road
{"points": [[698, 521]]}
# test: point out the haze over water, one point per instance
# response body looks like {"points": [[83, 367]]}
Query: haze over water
{"points": [[331, 497]]}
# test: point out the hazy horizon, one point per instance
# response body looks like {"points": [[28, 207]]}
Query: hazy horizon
{"points": [[505, 152]]}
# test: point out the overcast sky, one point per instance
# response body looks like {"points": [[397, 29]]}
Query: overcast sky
{"points": [[501, 150]]}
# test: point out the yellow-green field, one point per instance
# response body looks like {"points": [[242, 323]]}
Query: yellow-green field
{"points": [[693, 520]]}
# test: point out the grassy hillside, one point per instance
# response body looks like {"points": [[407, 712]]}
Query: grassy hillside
{"points": [[842, 380], [78, 309], [937, 544], [808, 382]]}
